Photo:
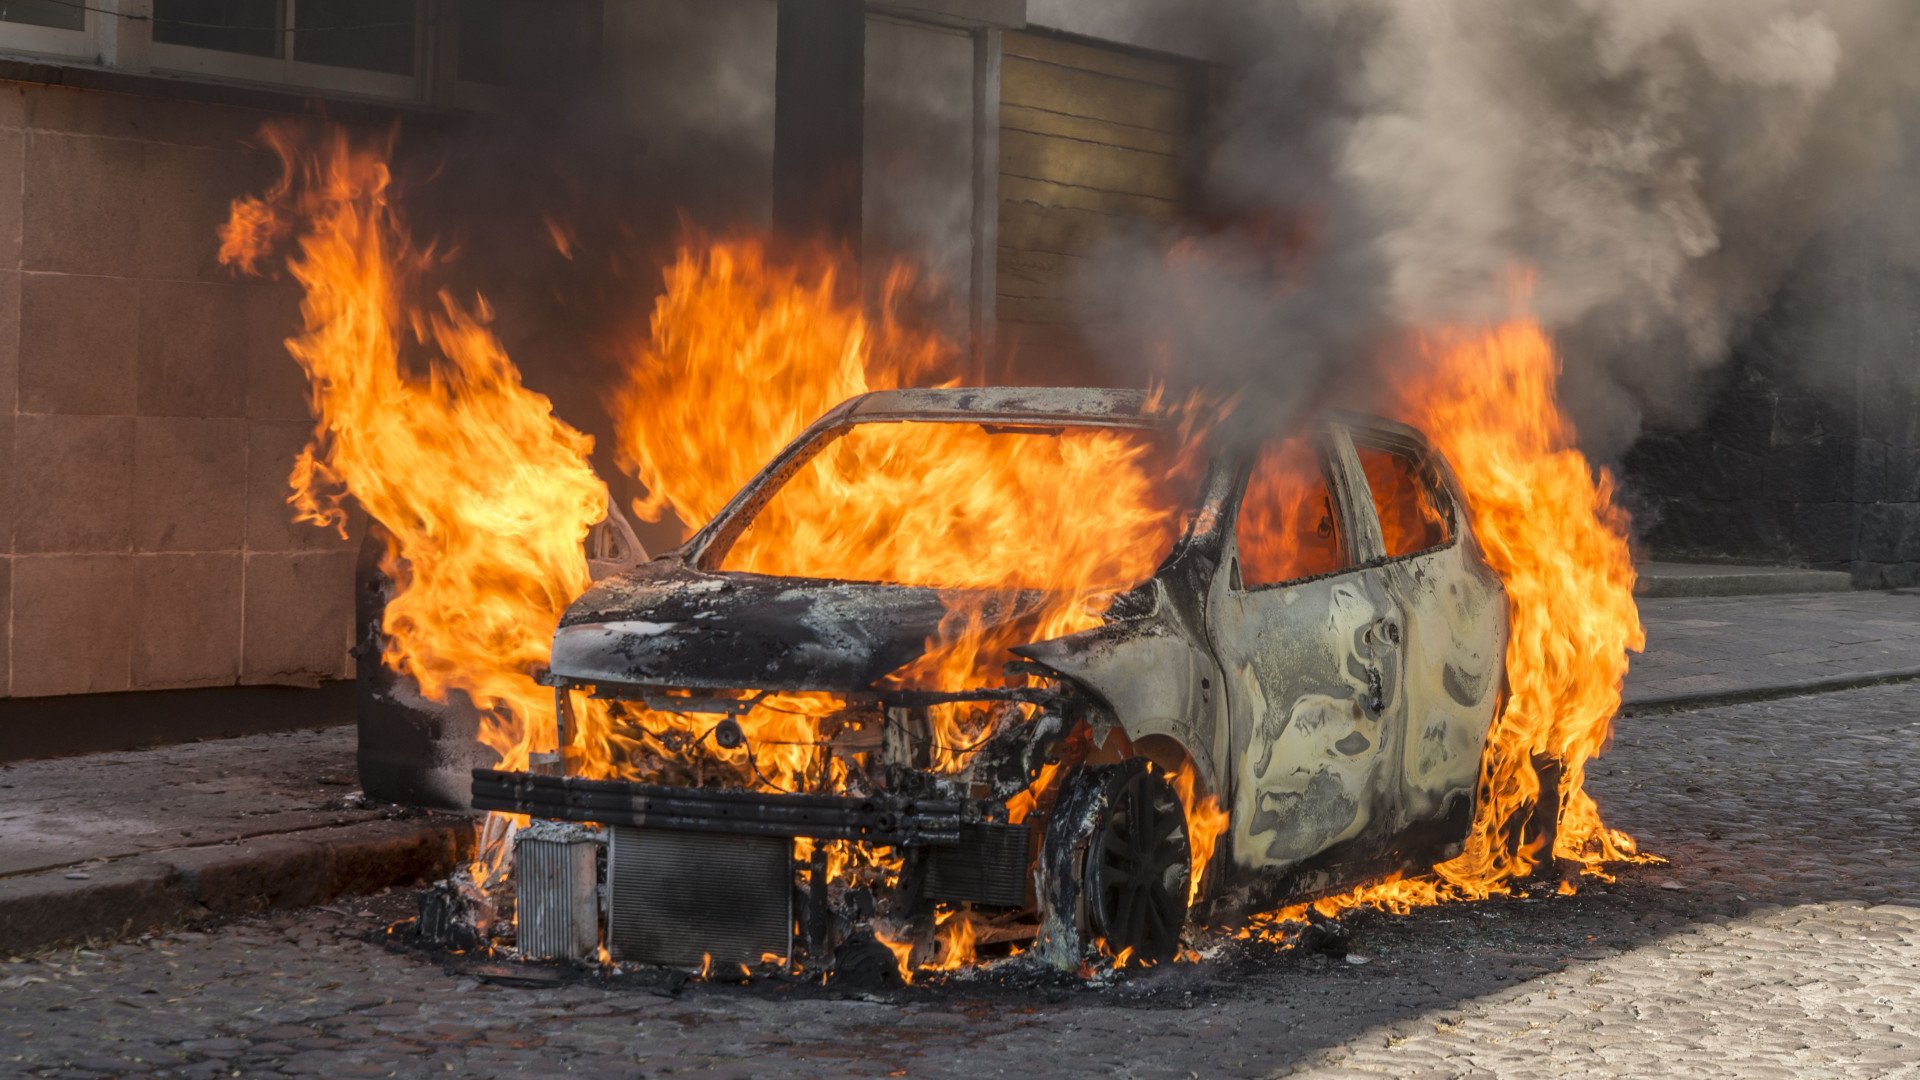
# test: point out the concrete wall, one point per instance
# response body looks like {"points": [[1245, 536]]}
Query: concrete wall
{"points": [[148, 413], [1822, 473], [694, 80]]}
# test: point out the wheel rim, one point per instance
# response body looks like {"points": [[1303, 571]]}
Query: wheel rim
{"points": [[1137, 866]]}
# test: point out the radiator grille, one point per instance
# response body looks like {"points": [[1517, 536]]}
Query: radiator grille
{"points": [[987, 866], [675, 897], [555, 882]]}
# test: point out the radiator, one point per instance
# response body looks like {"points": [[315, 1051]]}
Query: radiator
{"points": [[987, 866], [679, 899], [556, 879]]}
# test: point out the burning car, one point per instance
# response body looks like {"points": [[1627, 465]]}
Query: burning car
{"points": [[1267, 674]]}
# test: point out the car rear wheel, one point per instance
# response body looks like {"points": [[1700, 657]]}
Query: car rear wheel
{"points": [[1115, 867]]}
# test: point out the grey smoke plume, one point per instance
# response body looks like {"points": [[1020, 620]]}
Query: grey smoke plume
{"points": [[1662, 165]]}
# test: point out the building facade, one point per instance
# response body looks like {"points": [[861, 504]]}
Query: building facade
{"points": [[149, 570]]}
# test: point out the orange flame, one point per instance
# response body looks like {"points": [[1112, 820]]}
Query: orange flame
{"points": [[419, 415], [1547, 522], [1207, 821], [744, 353]]}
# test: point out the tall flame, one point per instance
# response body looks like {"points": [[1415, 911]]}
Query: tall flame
{"points": [[1547, 521], [485, 496], [744, 353]]}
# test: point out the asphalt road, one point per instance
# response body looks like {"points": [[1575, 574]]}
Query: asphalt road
{"points": [[1782, 939]]}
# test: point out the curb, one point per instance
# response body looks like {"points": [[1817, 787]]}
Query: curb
{"points": [[1726, 585], [173, 888], [1668, 703]]}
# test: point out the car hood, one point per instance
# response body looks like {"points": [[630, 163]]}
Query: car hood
{"points": [[667, 624]]}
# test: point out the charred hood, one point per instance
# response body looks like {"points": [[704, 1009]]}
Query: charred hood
{"points": [[667, 624]]}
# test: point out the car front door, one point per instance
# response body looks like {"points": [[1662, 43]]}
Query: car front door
{"points": [[1307, 633]]}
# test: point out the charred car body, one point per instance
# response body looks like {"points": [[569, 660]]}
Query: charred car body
{"points": [[1319, 653]]}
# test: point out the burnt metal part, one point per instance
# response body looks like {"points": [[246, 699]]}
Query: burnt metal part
{"points": [[556, 882], [819, 919], [689, 899], [455, 914], [669, 624], [877, 819], [987, 866]]}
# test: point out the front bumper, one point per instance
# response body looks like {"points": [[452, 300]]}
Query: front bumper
{"points": [[880, 820]]}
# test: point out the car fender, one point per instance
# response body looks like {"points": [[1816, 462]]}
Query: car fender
{"points": [[1154, 678]]}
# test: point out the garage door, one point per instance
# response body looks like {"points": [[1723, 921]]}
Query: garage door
{"points": [[1093, 141]]}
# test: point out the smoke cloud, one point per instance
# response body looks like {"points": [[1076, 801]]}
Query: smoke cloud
{"points": [[1661, 167]]}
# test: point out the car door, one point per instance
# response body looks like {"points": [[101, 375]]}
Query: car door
{"points": [[1306, 632], [1455, 629]]}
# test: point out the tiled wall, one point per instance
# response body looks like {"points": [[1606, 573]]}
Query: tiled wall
{"points": [[148, 413]]}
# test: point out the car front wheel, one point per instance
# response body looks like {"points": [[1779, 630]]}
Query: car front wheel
{"points": [[1114, 867]]}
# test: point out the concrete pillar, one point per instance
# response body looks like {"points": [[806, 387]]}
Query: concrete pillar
{"points": [[818, 119]]}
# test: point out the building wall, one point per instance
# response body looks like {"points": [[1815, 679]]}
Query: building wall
{"points": [[148, 413], [1094, 146], [1810, 455]]}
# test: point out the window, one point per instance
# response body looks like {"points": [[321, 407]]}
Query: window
{"points": [[459, 53], [359, 46], [61, 28], [964, 505], [1413, 515], [1289, 526], [240, 26], [59, 15]]}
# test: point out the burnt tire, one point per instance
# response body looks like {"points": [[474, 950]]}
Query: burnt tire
{"points": [[1114, 867]]}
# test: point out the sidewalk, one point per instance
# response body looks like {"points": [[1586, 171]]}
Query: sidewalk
{"points": [[107, 845], [1707, 649], [111, 844]]}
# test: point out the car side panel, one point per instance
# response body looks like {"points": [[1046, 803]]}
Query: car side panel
{"points": [[1313, 693], [1454, 653]]}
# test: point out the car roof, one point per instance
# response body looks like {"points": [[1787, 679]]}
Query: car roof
{"points": [[1009, 404], [1102, 407]]}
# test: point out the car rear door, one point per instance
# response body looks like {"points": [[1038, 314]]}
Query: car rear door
{"points": [[1306, 630], [1455, 627]]}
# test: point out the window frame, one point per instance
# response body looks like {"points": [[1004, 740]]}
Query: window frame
{"points": [[288, 70], [1330, 451], [42, 42], [1426, 472], [117, 35]]}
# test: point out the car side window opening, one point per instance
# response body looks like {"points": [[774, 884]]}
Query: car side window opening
{"points": [[1289, 525], [1412, 512]]}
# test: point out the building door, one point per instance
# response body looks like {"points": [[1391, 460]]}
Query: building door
{"points": [[1094, 141]]}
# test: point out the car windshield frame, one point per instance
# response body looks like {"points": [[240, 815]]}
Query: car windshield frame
{"points": [[1015, 409]]}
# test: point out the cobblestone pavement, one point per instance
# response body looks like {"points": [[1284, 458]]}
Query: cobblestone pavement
{"points": [[1782, 940], [1727, 643]]}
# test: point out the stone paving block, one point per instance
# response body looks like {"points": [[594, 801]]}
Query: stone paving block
{"points": [[72, 484], [77, 344], [72, 624]]}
